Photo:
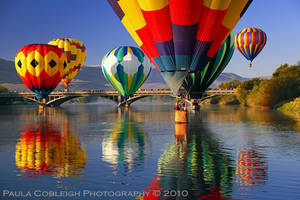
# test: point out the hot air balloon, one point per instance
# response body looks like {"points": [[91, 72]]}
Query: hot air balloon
{"points": [[250, 42], [41, 67], [196, 83], [179, 36], [126, 68], [76, 53]]}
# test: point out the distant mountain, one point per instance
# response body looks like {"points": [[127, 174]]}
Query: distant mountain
{"points": [[91, 78], [227, 77], [8, 72]]}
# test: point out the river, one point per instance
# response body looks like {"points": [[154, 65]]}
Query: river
{"points": [[96, 151]]}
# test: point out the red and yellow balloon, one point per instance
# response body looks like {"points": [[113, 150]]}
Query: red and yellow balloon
{"points": [[41, 67], [76, 53]]}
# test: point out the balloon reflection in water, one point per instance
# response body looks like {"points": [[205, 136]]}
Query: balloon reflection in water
{"points": [[195, 166], [45, 148], [126, 146], [251, 166]]}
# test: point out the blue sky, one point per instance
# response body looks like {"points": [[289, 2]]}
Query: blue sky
{"points": [[94, 23]]}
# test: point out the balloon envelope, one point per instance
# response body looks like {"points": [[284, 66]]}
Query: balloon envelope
{"points": [[250, 42], [196, 83], [126, 68], [179, 36], [76, 53], [41, 67]]}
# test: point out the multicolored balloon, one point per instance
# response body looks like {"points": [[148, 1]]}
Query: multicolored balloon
{"points": [[179, 36], [126, 68], [41, 67], [196, 83], [76, 53], [250, 42]]}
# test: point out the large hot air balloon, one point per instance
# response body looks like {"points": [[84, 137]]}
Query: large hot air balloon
{"points": [[41, 67], [126, 68], [76, 53], [196, 83], [250, 42], [179, 36]]}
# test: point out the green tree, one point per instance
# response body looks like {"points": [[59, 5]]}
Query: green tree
{"points": [[3, 89], [229, 84], [292, 71], [271, 92], [245, 88]]}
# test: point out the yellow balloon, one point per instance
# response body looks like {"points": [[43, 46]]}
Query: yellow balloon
{"points": [[76, 53]]}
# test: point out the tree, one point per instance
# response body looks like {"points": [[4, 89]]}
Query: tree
{"points": [[229, 85], [245, 88], [3, 89]]}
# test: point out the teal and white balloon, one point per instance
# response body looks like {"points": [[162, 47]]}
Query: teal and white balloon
{"points": [[126, 69]]}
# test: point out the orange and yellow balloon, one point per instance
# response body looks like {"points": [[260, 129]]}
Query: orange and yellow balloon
{"points": [[76, 53], [41, 67]]}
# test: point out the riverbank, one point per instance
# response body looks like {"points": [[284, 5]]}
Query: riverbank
{"points": [[291, 108]]}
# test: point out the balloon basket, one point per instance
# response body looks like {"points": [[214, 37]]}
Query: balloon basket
{"points": [[180, 116], [66, 90]]}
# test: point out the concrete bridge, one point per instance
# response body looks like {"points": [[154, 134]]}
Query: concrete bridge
{"points": [[59, 97]]}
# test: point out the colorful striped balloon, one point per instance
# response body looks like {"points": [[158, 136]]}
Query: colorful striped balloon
{"points": [[179, 36], [126, 68], [196, 83], [41, 67], [76, 53], [250, 42]]}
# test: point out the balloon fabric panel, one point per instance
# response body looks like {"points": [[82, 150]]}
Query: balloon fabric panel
{"points": [[41, 67]]}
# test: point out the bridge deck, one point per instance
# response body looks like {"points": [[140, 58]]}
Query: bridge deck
{"points": [[148, 92]]}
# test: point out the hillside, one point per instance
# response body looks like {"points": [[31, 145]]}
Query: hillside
{"points": [[92, 78]]}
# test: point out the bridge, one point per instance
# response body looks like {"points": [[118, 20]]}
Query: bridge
{"points": [[59, 97]]}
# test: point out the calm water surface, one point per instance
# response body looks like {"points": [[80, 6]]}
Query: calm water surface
{"points": [[100, 152]]}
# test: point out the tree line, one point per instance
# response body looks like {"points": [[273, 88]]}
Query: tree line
{"points": [[283, 86]]}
